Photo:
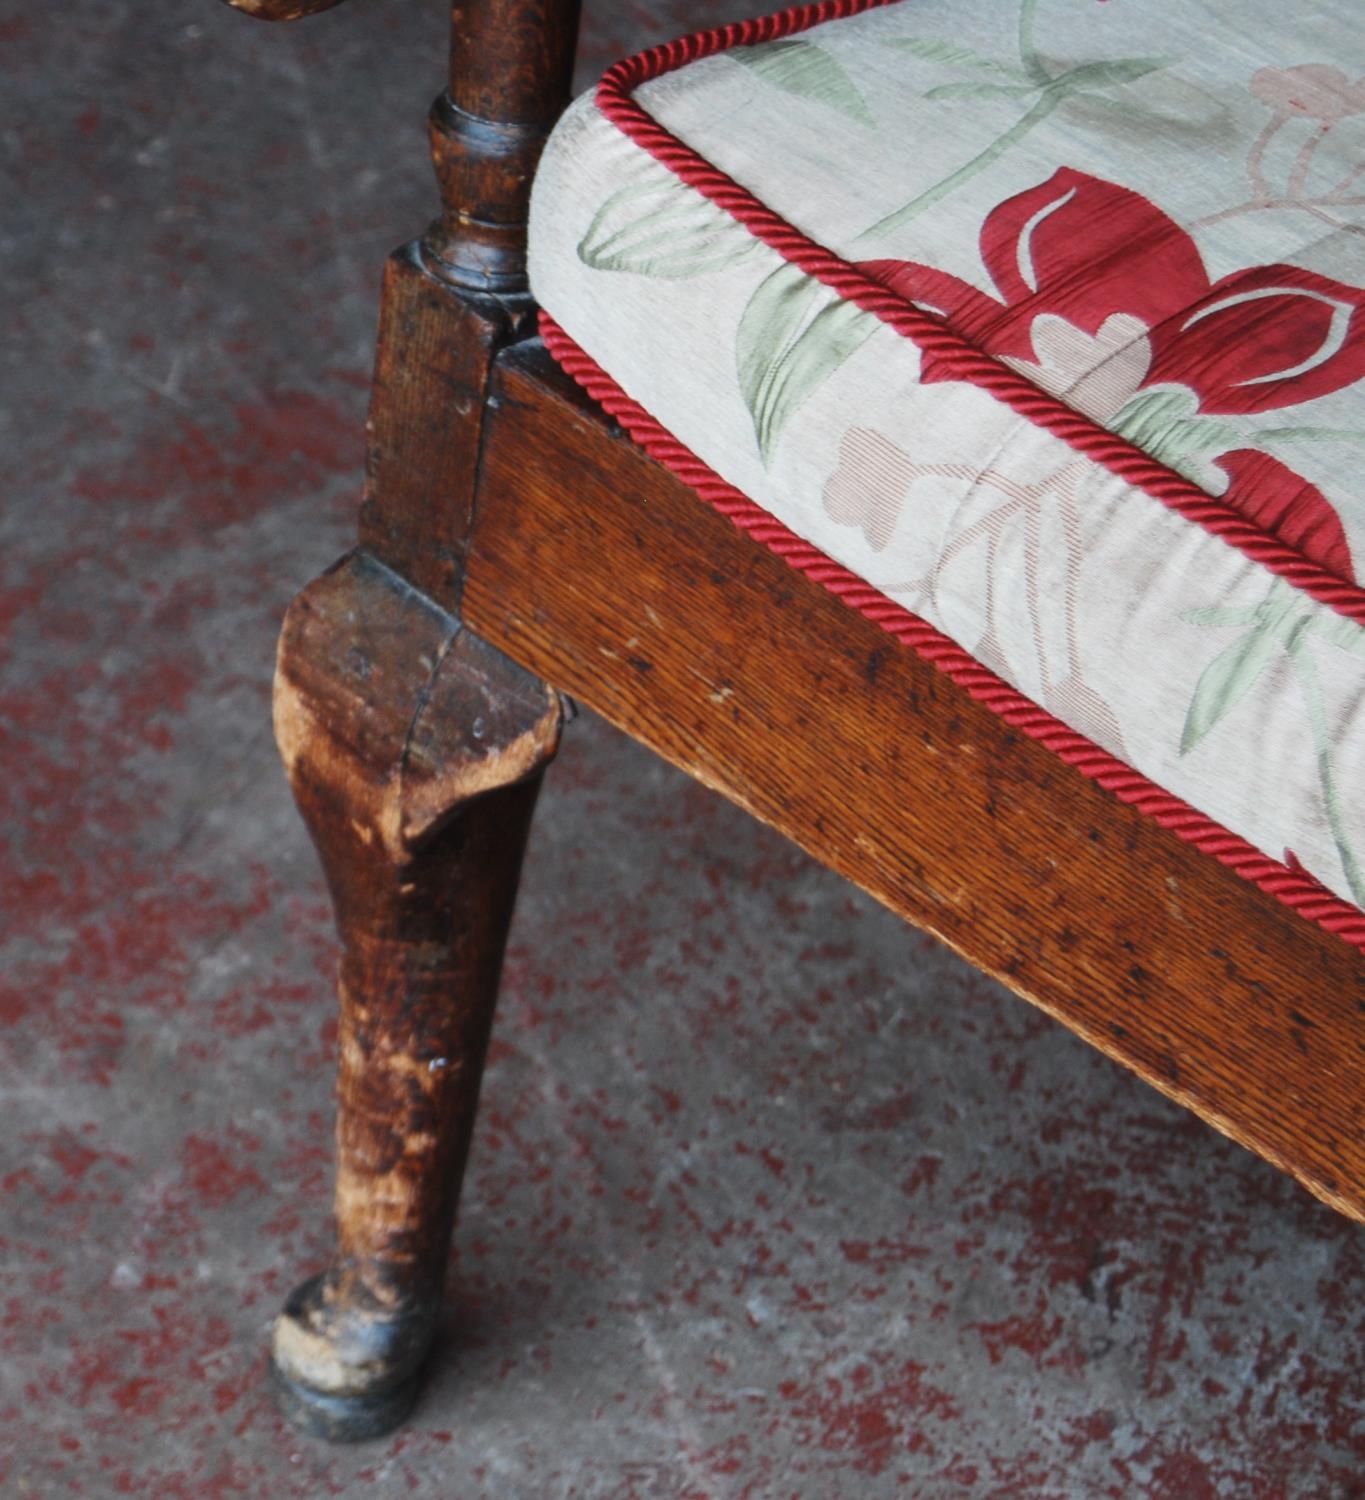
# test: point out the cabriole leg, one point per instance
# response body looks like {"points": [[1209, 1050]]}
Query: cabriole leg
{"points": [[415, 752]]}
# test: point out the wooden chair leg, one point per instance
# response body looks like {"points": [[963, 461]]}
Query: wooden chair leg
{"points": [[415, 752]]}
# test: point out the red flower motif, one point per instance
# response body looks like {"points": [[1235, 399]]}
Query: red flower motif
{"points": [[1079, 251], [1085, 250], [1262, 338], [1285, 504]]}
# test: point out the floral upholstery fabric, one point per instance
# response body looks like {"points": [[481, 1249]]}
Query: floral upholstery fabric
{"points": [[1154, 212]]}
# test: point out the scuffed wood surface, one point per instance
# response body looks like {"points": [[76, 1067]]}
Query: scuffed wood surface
{"points": [[593, 566], [402, 713], [415, 753]]}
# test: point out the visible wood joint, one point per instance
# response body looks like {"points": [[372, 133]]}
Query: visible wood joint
{"points": [[453, 300], [384, 700], [436, 347]]}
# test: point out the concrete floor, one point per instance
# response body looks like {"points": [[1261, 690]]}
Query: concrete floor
{"points": [[770, 1196]]}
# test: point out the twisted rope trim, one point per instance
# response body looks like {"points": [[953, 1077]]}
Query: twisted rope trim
{"points": [[1296, 889], [947, 355]]}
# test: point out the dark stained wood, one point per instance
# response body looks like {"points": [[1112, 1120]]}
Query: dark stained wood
{"points": [[453, 300], [415, 752], [510, 67], [283, 10], [593, 566], [436, 345]]}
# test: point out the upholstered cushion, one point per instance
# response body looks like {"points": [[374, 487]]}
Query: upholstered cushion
{"points": [[1045, 319]]}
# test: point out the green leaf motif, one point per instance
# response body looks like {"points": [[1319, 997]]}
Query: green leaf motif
{"points": [[809, 72], [1310, 435], [1232, 674], [1223, 615], [1338, 630], [1098, 75], [981, 91], [951, 55], [664, 231], [1167, 424], [1032, 77], [1086, 76], [1311, 688], [793, 336], [1283, 622]]}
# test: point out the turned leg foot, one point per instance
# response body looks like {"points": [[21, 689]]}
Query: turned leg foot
{"points": [[345, 1367], [415, 753]]}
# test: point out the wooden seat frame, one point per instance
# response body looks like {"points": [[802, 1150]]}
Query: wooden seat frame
{"points": [[511, 537]]}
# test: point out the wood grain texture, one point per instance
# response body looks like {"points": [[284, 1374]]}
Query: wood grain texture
{"points": [[415, 753], [453, 300], [510, 67], [594, 567], [436, 345]]}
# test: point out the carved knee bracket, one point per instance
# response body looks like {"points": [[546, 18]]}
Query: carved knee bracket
{"points": [[415, 752]]}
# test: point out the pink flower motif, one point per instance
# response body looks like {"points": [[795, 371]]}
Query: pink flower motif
{"points": [[1316, 91], [870, 485], [1098, 375], [1102, 295]]}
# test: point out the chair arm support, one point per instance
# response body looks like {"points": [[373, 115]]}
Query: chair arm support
{"points": [[510, 67], [509, 71]]}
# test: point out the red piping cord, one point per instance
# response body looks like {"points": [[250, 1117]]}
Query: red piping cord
{"points": [[1297, 890]]}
